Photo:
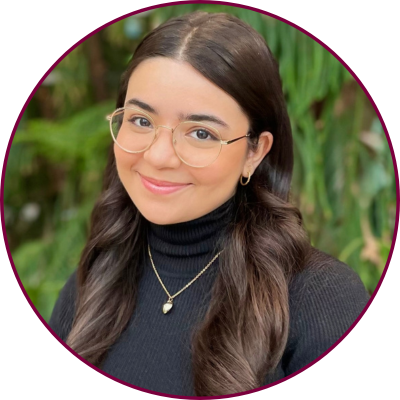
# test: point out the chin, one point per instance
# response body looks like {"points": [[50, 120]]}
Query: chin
{"points": [[160, 216], [160, 221]]}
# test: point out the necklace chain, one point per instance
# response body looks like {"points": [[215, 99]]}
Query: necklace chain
{"points": [[186, 286]]}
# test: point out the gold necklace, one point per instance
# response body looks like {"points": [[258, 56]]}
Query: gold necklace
{"points": [[170, 302]]}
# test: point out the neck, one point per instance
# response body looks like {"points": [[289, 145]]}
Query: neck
{"points": [[185, 248]]}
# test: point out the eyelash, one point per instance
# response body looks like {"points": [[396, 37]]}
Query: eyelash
{"points": [[132, 119], [212, 137]]}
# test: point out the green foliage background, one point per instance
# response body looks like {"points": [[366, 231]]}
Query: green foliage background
{"points": [[343, 180]]}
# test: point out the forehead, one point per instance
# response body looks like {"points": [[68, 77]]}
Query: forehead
{"points": [[174, 87]]}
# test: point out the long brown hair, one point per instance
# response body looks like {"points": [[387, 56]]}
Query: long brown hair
{"points": [[245, 329]]}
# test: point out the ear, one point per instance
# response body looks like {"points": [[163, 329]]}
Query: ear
{"points": [[254, 158]]}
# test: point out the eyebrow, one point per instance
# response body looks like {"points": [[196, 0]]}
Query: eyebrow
{"points": [[181, 116]]}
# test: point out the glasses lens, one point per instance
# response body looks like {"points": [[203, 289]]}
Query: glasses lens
{"points": [[197, 144], [132, 130]]}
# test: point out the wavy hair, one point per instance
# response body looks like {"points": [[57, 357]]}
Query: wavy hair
{"points": [[245, 329]]}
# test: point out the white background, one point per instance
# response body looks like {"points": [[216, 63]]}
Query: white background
{"points": [[34, 35]]}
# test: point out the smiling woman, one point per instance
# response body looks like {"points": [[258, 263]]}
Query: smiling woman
{"points": [[198, 277]]}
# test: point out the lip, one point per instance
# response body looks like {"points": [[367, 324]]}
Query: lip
{"points": [[161, 187]]}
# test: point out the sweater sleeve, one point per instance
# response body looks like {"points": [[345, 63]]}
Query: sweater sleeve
{"points": [[325, 300], [63, 312]]}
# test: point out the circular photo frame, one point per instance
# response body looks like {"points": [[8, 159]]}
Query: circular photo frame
{"points": [[342, 188]]}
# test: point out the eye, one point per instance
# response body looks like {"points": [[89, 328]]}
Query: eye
{"points": [[140, 121], [202, 134]]}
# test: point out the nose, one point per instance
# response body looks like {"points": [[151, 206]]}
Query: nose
{"points": [[161, 153]]}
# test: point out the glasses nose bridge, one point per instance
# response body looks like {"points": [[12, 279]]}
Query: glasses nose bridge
{"points": [[164, 126], [156, 135]]}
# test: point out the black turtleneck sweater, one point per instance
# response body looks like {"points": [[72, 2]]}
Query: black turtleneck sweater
{"points": [[154, 351]]}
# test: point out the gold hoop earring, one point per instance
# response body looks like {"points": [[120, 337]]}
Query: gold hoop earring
{"points": [[248, 179]]}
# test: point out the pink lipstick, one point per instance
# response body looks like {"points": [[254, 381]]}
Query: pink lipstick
{"points": [[162, 187]]}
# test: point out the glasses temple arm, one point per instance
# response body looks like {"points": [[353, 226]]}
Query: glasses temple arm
{"points": [[234, 140]]}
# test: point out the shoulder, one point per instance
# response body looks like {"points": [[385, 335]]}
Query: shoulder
{"points": [[326, 298], [63, 312], [327, 281]]}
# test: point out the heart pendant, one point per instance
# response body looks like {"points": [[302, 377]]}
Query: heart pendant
{"points": [[167, 306]]}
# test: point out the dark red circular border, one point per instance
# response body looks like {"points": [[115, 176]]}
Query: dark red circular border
{"points": [[286, 22]]}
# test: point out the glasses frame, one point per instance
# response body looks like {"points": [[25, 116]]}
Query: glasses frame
{"points": [[222, 142]]}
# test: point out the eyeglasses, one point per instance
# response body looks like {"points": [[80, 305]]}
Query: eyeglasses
{"points": [[196, 144]]}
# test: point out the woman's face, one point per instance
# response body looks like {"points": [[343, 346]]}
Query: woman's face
{"points": [[172, 88]]}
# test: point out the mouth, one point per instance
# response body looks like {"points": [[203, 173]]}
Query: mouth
{"points": [[162, 187]]}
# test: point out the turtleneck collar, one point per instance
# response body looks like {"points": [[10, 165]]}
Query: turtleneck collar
{"points": [[181, 249]]}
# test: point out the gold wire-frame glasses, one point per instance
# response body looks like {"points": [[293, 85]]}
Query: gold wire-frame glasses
{"points": [[118, 111]]}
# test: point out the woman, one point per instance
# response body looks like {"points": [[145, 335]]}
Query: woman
{"points": [[198, 277]]}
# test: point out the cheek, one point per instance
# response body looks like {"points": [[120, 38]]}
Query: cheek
{"points": [[223, 173], [125, 161]]}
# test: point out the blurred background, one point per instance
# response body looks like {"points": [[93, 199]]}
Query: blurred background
{"points": [[343, 180]]}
